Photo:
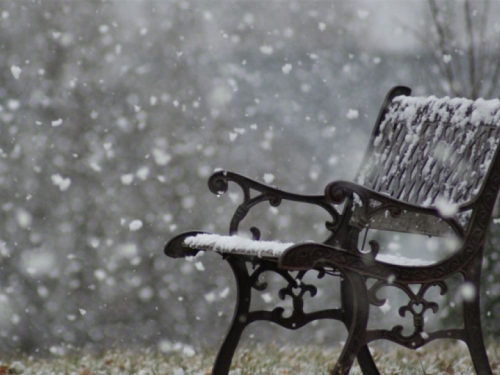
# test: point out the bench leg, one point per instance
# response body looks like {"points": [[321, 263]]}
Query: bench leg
{"points": [[472, 325], [366, 362], [239, 322], [474, 338], [365, 359], [356, 307]]}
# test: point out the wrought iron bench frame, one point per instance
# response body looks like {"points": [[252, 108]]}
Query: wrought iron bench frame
{"points": [[339, 255]]}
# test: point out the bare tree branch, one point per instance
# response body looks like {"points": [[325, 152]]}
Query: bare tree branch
{"points": [[465, 34], [494, 79], [482, 58], [470, 49], [443, 47]]}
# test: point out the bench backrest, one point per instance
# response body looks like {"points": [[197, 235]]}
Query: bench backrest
{"points": [[425, 149]]}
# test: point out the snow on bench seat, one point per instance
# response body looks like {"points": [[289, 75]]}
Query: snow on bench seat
{"points": [[237, 245], [272, 249]]}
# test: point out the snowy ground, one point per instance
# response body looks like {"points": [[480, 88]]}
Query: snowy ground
{"points": [[439, 358]]}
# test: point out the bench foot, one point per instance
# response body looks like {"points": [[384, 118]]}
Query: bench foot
{"points": [[366, 362], [472, 323], [474, 338], [239, 322], [477, 349], [356, 304]]}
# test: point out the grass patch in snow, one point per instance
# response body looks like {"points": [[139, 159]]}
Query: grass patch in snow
{"points": [[437, 358]]}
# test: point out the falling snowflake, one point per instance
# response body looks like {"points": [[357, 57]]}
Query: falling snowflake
{"points": [[287, 68], [352, 114], [135, 225], [57, 123], [61, 182], [268, 178], [16, 71]]}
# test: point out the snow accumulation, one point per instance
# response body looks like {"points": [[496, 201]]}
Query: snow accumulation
{"points": [[402, 261], [454, 111], [243, 245], [237, 244], [446, 143]]}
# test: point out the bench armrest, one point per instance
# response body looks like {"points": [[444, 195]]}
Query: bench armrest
{"points": [[175, 247], [218, 184], [338, 191]]}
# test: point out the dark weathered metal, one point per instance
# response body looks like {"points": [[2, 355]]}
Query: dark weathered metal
{"points": [[240, 316], [245, 282], [218, 184], [408, 166]]}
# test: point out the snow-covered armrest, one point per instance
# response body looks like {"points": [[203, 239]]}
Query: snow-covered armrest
{"points": [[237, 245], [190, 243]]}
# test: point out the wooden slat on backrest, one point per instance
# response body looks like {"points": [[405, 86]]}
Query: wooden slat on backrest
{"points": [[425, 148]]}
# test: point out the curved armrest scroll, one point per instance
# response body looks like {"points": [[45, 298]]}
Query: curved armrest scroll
{"points": [[218, 184], [338, 191], [175, 247]]}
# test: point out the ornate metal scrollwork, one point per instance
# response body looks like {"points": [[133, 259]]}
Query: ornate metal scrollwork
{"points": [[373, 203], [416, 306], [297, 298], [218, 184], [295, 289]]}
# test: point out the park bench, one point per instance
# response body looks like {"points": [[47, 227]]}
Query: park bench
{"points": [[432, 167]]}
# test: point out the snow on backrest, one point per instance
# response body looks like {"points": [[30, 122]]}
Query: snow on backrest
{"points": [[427, 148]]}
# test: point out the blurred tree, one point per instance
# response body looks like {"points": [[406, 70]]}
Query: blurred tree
{"points": [[112, 116], [462, 41], [52, 204]]}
